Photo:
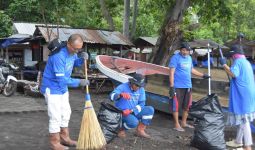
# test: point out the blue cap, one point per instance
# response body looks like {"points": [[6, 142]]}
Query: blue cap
{"points": [[138, 80], [235, 49], [185, 45]]}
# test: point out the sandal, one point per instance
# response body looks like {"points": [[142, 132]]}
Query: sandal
{"points": [[179, 129], [234, 144], [188, 126]]}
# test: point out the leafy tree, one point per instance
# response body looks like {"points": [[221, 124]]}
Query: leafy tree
{"points": [[126, 18], [24, 10], [5, 24], [41, 10], [135, 13], [218, 20], [107, 14], [172, 32]]}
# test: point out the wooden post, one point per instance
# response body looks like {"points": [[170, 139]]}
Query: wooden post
{"points": [[7, 55], [86, 47], [120, 50], [253, 52], [2, 52]]}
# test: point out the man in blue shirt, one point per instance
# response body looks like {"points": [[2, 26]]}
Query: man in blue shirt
{"points": [[55, 83], [181, 68], [241, 97], [130, 98]]}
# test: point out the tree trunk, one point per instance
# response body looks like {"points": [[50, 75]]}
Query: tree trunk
{"points": [[42, 12], [135, 12], [46, 24], [107, 15], [58, 17], [170, 35], [126, 18]]}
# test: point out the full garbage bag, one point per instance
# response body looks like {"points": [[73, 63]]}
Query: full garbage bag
{"points": [[209, 124], [110, 119]]}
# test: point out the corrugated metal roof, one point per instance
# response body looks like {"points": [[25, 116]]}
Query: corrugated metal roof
{"points": [[204, 44], [152, 40], [89, 35], [24, 28], [113, 38], [250, 43], [64, 33], [20, 36], [27, 28]]}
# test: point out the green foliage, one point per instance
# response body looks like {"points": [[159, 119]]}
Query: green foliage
{"points": [[222, 20], [151, 16], [33, 10], [218, 20], [243, 19], [88, 14], [5, 24], [24, 10]]}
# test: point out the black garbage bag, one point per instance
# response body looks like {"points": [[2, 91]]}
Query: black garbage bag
{"points": [[110, 119], [209, 124]]}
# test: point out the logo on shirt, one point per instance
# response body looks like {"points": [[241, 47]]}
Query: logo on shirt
{"points": [[185, 65], [69, 66]]}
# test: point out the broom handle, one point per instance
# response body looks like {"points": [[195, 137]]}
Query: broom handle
{"points": [[86, 75], [221, 55]]}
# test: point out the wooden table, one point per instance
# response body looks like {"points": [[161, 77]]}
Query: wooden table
{"points": [[99, 80]]}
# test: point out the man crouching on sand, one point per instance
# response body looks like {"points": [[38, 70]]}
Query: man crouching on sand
{"points": [[130, 98]]}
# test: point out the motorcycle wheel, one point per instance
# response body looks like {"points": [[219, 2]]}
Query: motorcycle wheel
{"points": [[10, 89]]}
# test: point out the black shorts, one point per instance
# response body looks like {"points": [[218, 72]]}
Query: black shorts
{"points": [[182, 99]]}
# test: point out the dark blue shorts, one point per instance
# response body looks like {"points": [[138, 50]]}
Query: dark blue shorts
{"points": [[183, 99]]}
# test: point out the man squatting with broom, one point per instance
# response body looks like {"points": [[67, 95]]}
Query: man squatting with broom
{"points": [[130, 98], [56, 79]]}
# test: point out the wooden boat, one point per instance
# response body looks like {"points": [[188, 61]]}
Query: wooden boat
{"points": [[157, 79], [121, 69]]}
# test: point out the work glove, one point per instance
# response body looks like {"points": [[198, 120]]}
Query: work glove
{"points": [[83, 55], [171, 92], [84, 82], [206, 76], [223, 61], [126, 96], [126, 112]]}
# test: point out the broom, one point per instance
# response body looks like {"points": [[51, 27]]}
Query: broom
{"points": [[91, 135]]}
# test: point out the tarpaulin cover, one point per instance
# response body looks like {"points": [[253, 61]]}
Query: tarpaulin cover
{"points": [[209, 124], [110, 119], [10, 41]]}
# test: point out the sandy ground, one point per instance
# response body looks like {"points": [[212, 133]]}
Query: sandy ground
{"points": [[28, 130]]}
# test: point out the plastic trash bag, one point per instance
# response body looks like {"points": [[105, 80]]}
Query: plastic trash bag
{"points": [[209, 124], [110, 119]]}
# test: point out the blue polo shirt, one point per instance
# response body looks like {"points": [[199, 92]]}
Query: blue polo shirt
{"points": [[137, 97], [242, 88], [182, 74], [58, 70]]}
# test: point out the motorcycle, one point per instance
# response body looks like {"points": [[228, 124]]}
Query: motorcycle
{"points": [[8, 83]]}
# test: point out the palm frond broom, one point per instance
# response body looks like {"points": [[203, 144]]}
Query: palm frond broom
{"points": [[91, 136]]}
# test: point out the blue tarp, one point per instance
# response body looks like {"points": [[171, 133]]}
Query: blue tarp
{"points": [[14, 39], [6, 42]]}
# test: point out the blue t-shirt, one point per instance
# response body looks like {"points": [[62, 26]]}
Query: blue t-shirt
{"points": [[205, 62], [183, 66], [137, 98], [253, 67], [242, 88], [58, 70]]}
